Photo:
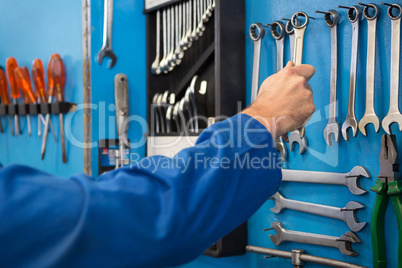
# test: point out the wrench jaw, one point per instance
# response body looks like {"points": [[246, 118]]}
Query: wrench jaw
{"points": [[351, 123], [344, 243], [353, 178], [349, 214], [369, 119], [278, 238], [108, 53], [331, 128], [281, 148], [278, 204], [294, 137], [390, 119]]}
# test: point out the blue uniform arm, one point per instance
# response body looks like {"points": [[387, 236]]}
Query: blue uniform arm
{"points": [[160, 212]]}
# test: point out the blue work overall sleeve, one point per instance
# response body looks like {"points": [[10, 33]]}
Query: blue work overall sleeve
{"points": [[159, 212]]}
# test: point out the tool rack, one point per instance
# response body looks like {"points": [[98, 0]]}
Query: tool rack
{"points": [[217, 57], [39, 108]]}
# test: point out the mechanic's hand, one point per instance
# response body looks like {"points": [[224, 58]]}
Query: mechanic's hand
{"points": [[285, 100]]}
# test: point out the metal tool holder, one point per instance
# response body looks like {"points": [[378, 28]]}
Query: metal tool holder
{"points": [[39, 108], [218, 57]]}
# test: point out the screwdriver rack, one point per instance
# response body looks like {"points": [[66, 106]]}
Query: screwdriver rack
{"points": [[35, 109], [218, 57]]}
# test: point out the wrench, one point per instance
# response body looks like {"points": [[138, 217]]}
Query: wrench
{"points": [[350, 179], [394, 115], [155, 67], [354, 16], [163, 63], [343, 243], [280, 42], [169, 112], [190, 97], [179, 53], [257, 33], [122, 111], [294, 137], [332, 126], [346, 214], [170, 34], [156, 112], [370, 116], [106, 50]]}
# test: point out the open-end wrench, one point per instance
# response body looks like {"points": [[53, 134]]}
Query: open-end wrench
{"points": [[346, 214], [155, 67], [294, 137], [201, 26], [343, 243], [394, 115], [332, 126], [169, 112], [257, 33], [350, 179], [278, 33], [354, 16], [106, 50], [190, 97], [370, 116]]}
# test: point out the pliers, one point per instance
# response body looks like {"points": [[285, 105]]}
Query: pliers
{"points": [[388, 185]]}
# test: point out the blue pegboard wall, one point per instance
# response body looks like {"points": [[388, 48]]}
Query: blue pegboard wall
{"points": [[341, 157], [36, 29]]}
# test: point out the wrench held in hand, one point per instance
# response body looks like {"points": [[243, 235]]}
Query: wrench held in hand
{"points": [[370, 116], [106, 50], [346, 214], [332, 126], [343, 243], [394, 115], [351, 179], [257, 33], [354, 16]]}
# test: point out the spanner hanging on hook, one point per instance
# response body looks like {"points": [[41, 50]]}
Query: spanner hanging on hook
{"points": [[257, 33]]}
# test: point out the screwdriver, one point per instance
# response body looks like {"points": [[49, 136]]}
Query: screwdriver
{"points": [[39, 83], [59, 80], [11, 65], [50, 93], [24, 83], [4, 95]]}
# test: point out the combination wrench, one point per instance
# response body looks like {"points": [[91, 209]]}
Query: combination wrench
{"points": [[332, 126], [370, 116], [346, 214], [350, 179], [106, 50], [354, 16], [394, 115], [155, 67], [343, 243], [257, 33]]}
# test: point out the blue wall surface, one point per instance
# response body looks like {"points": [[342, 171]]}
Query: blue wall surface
{"points": [[36, 29]]}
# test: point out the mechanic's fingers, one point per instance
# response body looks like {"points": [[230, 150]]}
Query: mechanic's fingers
{"points": [[305, 70], [290, 64]]}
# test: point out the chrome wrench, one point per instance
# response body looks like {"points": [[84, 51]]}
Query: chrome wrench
{"points": [[332, 126], [106, 50], [354, 16], [370, 116], [155, 67], [121, 100], [257, 33], [394, 115]]}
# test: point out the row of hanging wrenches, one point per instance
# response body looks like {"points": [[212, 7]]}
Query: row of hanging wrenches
{"points": [[182, 24]]}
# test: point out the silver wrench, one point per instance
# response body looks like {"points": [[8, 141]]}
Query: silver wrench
{"points": [[370, 116], [278, 33], [106, 50], [350, 179], [394, 115], [257, 33], [354, 16], [343, 243], [155, 67], [346, 214], [332, 126]]}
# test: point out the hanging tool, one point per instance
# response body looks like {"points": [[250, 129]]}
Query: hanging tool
{"points": [[297, 60], [278, 33], [257, 33], [387, 186], [370, 116], [346, 214], [5, 100], [50, 93], [24, 83], [39, 83], [155, 67], [343, 243], [106, 50], [11, 65], [354, 16], [332, 20], [394, 115], [121, 100], [350, 179]]}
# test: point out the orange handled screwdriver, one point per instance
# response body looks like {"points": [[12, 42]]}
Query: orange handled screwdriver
{"points": [[39, 83], [4, 95], [11, 65], [24, 83]]}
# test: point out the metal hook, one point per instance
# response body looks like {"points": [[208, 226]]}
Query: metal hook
{"points": [[322, 12], [360, 3], [339, 6]]}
